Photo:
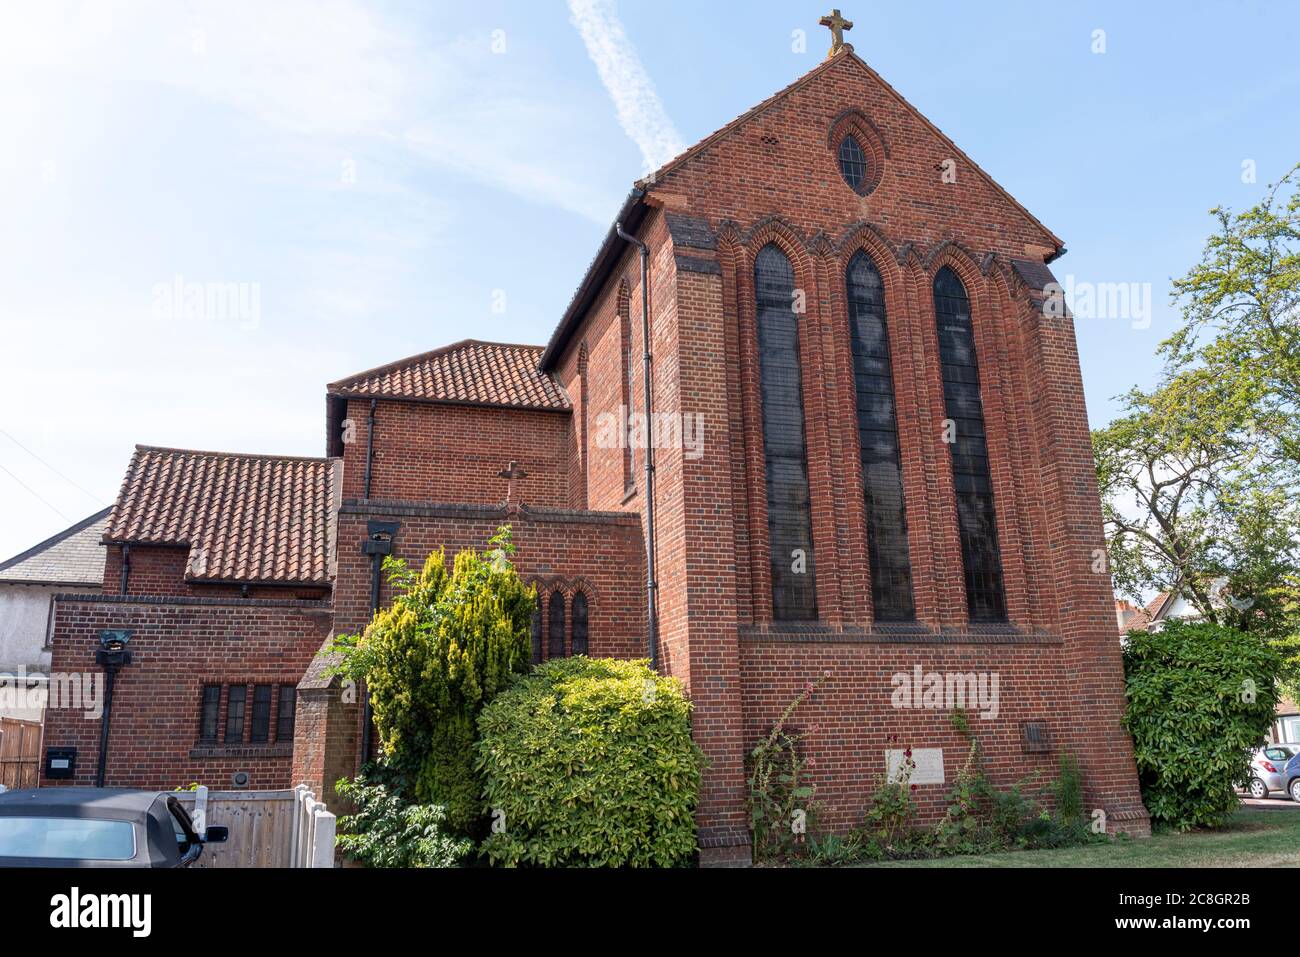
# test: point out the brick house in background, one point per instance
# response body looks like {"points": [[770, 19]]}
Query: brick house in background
{"points": [[877, 466]]}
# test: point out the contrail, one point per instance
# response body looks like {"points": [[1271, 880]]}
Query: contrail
{"points": [[640, 112]]}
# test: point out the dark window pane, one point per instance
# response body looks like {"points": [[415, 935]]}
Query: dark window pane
{"points": [[260, 732], [235, 701], [853, 162], [284, 718], [882, 476], [578, 613], [209, 714], [537, 631], [556, 647], [789, 518], [977, 525]]}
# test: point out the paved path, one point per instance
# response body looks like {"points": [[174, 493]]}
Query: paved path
{"points": [[1278, 803]]}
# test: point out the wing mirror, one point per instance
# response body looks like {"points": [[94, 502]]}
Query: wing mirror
{"points": [[217, 834]]}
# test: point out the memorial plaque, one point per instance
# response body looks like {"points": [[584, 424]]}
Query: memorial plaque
{"points": [[929, 765]]}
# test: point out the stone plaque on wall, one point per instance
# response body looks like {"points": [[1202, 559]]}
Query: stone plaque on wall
{"points": [[929, 765]]}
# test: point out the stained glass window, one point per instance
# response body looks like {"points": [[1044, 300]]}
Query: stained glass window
{"points": [[972, 480], [882, 477], [789, 518]]}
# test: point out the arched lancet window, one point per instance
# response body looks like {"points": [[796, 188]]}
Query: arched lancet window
{"points": [[555, 647], [578, 625], [882, 477], [789, 518], [536, 655], [985, 598], [625, 385]]}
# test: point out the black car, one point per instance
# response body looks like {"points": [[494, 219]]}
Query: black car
{"points": [[98, 827]]}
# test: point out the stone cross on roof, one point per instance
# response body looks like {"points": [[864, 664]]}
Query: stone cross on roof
{"points": [[837, 25], [512, 473]]}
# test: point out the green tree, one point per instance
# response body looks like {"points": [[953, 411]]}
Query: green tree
{"points": [[1189, 504], [445, 647], [1241, 312]]}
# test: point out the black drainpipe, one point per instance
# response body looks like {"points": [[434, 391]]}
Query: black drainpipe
{"points": [[126, 567], [378, 543], [370, 445], [111, 656], [651, 585]]}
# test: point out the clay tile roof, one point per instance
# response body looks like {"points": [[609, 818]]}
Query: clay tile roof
{"points": [[1158, 605], [72, 557], [245, 518], [471, 372]]}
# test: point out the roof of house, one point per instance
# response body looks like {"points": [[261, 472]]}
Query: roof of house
{"points": [[634, 207], [72, 557], [470, 372], [1159, 605], [244, 518], [1130, 616]]}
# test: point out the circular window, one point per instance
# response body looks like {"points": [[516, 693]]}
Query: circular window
{"points": [[853, 163]]}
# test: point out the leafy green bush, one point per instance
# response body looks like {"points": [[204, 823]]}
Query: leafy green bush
{"points": [[1200, 697], [590, 763], [385, 831], [448, 643]]}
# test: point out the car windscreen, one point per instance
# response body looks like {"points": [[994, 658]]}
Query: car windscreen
{"points": [[1278, 753], [67, 838]]}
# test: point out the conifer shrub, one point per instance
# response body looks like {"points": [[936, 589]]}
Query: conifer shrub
{"points": [[449, 642]]}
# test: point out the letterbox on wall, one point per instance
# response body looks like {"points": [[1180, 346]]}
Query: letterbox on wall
{"points": [[60, 763]]}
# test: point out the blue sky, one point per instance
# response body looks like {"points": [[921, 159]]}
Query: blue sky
{"points": [[381, 179]]}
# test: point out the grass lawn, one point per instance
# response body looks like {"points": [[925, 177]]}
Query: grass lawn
{"points": [[1253, 838]]}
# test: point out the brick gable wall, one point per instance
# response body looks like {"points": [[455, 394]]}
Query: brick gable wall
{"points": [[775, 179]]}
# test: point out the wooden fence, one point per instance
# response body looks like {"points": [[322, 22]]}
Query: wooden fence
{"points": [[20, 753], [267, 828]]}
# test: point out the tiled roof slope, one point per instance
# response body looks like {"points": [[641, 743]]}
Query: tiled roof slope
{"points": [[72, 557], [245, 518], [471, 371]]}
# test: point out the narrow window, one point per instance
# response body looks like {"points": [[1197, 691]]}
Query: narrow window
{"points": [[853, 162], [578, 626], [260, 732], [235, 700], [209, 713], [985, 600], [789, 517], [882, 477], [284, 716], [625, 386], [556, 648], [536, 651]]}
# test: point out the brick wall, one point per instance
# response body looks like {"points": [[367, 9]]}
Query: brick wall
{"points": [[442, 452], [601, 554], [179, 645]]}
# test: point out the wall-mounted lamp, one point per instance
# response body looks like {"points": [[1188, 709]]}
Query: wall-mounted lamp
{"points": [[111, 656]]}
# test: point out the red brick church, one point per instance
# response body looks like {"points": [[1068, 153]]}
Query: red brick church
{"points": [[871, 459]]}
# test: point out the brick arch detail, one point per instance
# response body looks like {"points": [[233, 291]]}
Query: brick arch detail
{"points": [[869, 137]]}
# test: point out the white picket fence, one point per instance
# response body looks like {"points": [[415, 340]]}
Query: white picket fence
{"points": [[288, 828]]}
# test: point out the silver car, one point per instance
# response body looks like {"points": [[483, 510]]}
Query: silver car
{"points": [[1267, 766]]}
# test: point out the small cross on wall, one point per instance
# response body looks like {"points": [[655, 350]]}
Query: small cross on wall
{"points": [[512, 474], [837, 25]]}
